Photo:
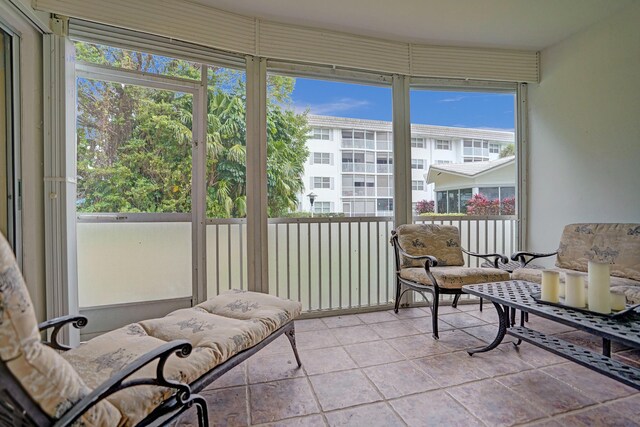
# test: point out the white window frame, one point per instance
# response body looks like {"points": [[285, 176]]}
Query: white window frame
{"points": [[321, 182], [494, 148], [322, 134], [321, 158], [443, 144], [417, 164], [417, 185], [322, 207], [401, 126], [418, 142]]}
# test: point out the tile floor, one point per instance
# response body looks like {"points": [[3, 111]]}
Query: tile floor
{"points": [[383, 369]]}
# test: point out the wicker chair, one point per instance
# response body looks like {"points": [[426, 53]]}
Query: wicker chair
{"points": [[429, 259]]}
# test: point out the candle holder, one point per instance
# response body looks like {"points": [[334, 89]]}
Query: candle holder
{"points": [[574, 290], [618, 301], [598, 290], [550, 286]]}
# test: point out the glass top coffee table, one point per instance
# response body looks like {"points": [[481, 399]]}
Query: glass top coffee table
{"points": [[516, 294]]}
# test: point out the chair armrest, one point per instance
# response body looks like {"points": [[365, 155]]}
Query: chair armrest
{"points": [[431, 261], [182, 348], [76, 321], [492, 258], [521, 256]]}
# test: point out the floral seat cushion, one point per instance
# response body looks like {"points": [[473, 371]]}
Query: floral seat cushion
{"points": [[616, 244], [454, 277], [272, 311], [217, 329], [440, 241]]}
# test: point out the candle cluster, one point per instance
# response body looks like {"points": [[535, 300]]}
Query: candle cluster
{"points": [[598, 295]]}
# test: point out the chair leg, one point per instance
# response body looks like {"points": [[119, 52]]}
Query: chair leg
{"points": [[203, 413], [291, 334], [454, 304], [434, 314], [481, 304], [397, 305]]}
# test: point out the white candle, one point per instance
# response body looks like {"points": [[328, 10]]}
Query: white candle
{"points": [[550, 286], [618, 301], [599, 297], [575, 294]]}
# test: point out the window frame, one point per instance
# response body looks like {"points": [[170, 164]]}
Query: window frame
{"points": [[321, 155], [416, 166], [443, 144]]}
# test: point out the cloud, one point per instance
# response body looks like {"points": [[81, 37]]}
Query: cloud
{"points": [[330, 108], [454, 99], [497, 129]]}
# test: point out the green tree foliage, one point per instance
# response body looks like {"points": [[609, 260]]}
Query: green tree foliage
{"points": [[509, 150], [134, 143]]}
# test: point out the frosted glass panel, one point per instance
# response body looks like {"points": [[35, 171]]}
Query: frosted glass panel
{"points": [[133, 262]]}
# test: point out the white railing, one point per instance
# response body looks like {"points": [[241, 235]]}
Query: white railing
{"points": [[480, 234], [331, 263], [326, 263]]}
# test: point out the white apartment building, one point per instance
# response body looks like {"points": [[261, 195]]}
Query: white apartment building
{"points": [[350, 165]]}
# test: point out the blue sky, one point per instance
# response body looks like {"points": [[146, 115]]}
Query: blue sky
{"points": [[443, 108]]}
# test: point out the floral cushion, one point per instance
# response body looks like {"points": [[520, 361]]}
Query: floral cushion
{"points": [[223, 335], [616, 244], [218, 329], [100, 358], [440, 241], [454, 277], [50, 380], [272, 311]]}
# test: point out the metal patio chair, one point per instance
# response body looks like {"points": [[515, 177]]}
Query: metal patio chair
{"points": [[429, 259]]}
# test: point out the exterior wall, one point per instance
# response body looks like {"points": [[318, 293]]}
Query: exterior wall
{"points": [[332, 170], [429, 154], [583, 131]]}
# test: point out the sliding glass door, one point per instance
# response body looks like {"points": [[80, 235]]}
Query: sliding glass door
{"points": [[9, 142]]}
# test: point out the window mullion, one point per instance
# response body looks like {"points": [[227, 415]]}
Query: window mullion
{"points": [[199, 194], [257, 238]]}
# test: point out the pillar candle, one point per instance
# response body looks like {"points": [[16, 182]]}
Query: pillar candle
{"points": [[618, 301], [598, 291], [550, 286], [574, 290]]}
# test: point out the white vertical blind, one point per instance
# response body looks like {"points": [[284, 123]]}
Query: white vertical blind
{"points": [[217, 29]]}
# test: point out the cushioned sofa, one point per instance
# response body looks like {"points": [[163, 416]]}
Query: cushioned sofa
{"points": [[616, 244], [145, 371]]}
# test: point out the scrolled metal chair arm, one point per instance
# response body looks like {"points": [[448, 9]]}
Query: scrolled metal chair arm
{"points": [[492, 258], [182, 348], [521, 256], [430, 261], [77, 321]]}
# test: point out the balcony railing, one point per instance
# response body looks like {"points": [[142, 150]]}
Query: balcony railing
{"points": [[332, 263]]}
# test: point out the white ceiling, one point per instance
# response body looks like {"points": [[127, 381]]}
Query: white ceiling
{"points": [[516, 24]]}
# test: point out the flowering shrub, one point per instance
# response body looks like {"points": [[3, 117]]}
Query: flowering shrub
{"points": [[480, 205], [508, 206], [424, 206]]}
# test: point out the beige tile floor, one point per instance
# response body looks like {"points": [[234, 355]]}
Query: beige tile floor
{"points": [[383, 369]]}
